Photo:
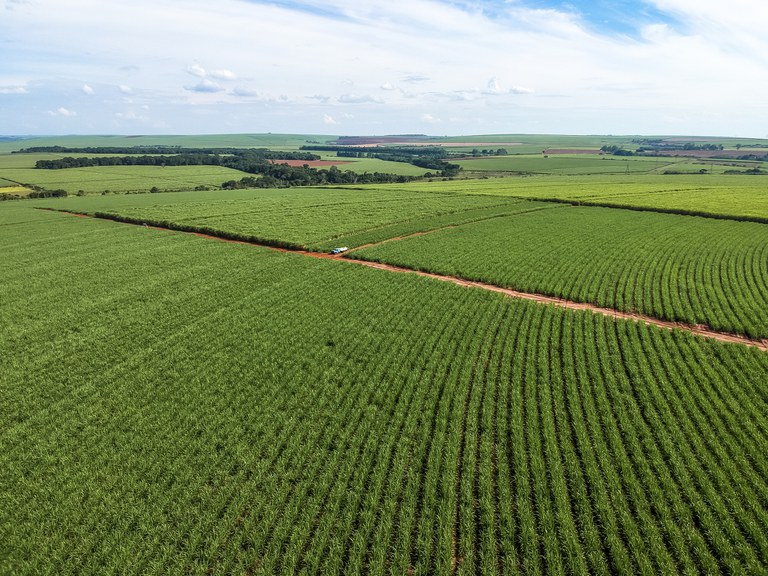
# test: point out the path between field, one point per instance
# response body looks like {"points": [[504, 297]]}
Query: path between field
{"points": [[761, 344]]}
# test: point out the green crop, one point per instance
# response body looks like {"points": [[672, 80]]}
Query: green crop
{"points": [[722, 196], [301, 216], [563, 164], [679, 268], [174, 404], [122, 178]]}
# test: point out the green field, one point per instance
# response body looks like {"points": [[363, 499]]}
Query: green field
{"points": [[309, 217], [175, 404], [526, 157], [361, 165], [287, 141], [566, 164], [20, 168], [123, 178], [678, 268], [733, 196]]}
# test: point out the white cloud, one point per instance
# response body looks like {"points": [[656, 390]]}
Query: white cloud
{"points": [[130, 115], [328, 120], [357, 99], [11, 4], [429, 119], [222, 74], [246, 92], [415, 78], [88, 90], [493, 86], [218, 74], [521, 90], [710, 60], [61, 111], [13, 90], [197, 70], [205, 86]]}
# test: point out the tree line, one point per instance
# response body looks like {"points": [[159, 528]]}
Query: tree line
{"points": [[246, 160], [261, 162], [284, 176], [427, 157]]}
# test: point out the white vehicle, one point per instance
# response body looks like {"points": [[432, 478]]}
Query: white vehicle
{"points": [[339, 250]]}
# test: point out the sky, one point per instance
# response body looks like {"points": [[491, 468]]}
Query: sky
{"points": [[365, 67]]}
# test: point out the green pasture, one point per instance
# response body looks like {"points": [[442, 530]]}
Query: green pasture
{"points": [[27, 161], [179, 405]]}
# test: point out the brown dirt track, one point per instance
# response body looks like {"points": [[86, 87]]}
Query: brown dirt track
{"points": [[540, 298]]}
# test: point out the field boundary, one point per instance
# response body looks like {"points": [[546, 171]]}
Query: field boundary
{"points": [[288, 247]]}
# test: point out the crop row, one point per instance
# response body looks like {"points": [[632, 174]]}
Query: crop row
{"points": [[173, 404], [563, 164], [306, 216], [718, 195], [694, 270]]}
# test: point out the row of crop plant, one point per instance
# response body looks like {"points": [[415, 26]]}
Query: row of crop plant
{"points": [[177, 404], [678, 268]]}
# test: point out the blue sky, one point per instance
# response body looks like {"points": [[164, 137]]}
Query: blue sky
{"points": [[617, 17], [384, 66]]}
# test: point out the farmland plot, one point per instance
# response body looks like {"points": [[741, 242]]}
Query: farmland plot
{"points": [[124, 178], [677, 268], [717, 195], [174, 404], [562, 164], [299, 216]]}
